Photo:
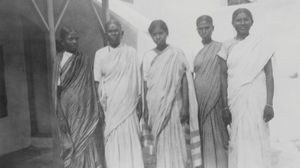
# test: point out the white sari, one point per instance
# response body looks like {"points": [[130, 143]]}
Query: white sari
{"points": [[249, 145], [117, 70]]}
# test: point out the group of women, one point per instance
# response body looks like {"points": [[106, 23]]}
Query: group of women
{"points": [[241, 91], [240, 88]]}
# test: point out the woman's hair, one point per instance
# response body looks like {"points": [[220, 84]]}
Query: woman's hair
{"points": [[158, 23], [242, 10], [206, 18], [113, 21], [65, 31]]}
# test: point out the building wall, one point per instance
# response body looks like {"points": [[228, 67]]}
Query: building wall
{"points": [[155, 9], [37, 77], [15, 128], [81, 16], [135, 26], [276, 21]]}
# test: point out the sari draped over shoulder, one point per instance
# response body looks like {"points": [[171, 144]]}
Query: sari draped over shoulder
{"points": [[164, 81], [249, 144], [214, 134], [77, 106], [117, 70]]}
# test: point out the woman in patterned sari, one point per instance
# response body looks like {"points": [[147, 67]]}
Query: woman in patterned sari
{"points": [[77, 109], [171, 102]]}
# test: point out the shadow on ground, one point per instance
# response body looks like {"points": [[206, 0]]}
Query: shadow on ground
{"points": [[33, 157], [30, 157]]}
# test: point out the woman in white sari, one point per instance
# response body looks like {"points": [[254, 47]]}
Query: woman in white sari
{"points": [[247, 91], [171, 102], [117, 74]]}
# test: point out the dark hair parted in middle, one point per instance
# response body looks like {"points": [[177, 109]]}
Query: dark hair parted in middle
{"points": [[64, 31], [242, 10], [158, 23], [206, 18], [113, 21]]}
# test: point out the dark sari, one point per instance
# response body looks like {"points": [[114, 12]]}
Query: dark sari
{"points": [[77, 107], [214, 136]]}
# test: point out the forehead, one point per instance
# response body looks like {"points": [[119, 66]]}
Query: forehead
{"points": [[157, 29], [203, 23], [72, 34], [242, 15], [113, 26]]}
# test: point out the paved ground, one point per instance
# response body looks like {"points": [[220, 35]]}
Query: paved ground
{"points": [[284, 155], [28, 158]]}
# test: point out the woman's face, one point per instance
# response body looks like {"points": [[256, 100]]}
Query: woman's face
{"points": [[159, 36], [70, 43], [114, 34], [242, 23]]}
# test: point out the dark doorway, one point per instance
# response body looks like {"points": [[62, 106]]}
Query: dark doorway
{"points": [[35, 52], [3, 99]]}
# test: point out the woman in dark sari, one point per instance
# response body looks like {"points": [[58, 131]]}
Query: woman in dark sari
{"points": [[77, 110], [214, 136]]}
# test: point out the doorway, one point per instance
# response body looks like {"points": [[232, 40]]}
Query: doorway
{"points": [[35, 52]]}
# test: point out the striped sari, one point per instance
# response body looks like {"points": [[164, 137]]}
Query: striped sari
{"points": [[77, 107], [207, 84], [163, 74]]}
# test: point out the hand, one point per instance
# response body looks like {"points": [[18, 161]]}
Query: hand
{"points": [[184, 116], [268, 113], [226, 115], [63, 126]]}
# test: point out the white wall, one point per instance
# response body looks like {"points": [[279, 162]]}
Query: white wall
{"points": [[277, 21]]}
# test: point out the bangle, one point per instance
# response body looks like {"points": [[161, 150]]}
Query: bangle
{"points": [[269, 105]]}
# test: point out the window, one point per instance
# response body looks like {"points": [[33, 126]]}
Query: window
{"points": [[3, 100], [236, 2]]}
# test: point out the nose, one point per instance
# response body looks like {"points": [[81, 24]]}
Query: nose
{"points": [[115, 33], [243, 22], [202, 31], [74, 41], [157, 37]]}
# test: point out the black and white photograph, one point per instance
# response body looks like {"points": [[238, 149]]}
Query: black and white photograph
{"points": [[149, 84]]}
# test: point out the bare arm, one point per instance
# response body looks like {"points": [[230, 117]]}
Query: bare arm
{"points": [[185, 99], [146, 115], [269, 111], [101, 111], [224, 84], [226, 115], [268, 69], [97, 86]]}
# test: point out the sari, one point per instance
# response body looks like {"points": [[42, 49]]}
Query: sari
{"points": [[117, 70], [163, 74], [77, 107], [249, 144], [214, 135]]}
